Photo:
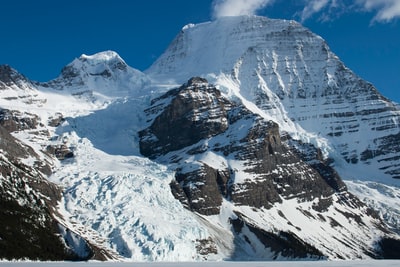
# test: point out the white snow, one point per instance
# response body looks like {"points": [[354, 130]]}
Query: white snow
{"points": [[104, 56], [383, 198], [376, 263]]}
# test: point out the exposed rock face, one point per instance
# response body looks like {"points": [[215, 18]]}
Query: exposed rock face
{"points": [[196, 113], [386, 151], [313, 156], [56, 120], [27, 199], [16, 121], [18, 87], [199, 190], [281, 244], [60, 151], [10, 78]]}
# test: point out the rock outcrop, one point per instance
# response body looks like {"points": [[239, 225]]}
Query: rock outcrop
{"points": [[197, 120], [27, 200]]}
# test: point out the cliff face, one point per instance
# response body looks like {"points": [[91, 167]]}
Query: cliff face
{"points": [[196, 121], [27, 201]]}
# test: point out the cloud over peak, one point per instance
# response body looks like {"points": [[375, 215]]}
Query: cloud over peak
{"points": [[224, 8]]}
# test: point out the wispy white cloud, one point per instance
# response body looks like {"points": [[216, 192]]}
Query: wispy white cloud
{"points": [[224, 8], [385, 10], [312, 7]]}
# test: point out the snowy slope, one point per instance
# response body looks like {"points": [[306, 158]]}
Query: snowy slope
{"points": [[383, 198], [371, 263]]}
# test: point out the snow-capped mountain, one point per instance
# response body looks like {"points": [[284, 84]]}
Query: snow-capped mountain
{"points": [[292, 77], [232, 145], [105, 73]]}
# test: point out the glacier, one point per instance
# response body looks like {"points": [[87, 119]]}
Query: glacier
{"points": [[386, 263]]}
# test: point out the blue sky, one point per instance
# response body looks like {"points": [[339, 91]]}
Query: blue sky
{"points": [[39, 37]]}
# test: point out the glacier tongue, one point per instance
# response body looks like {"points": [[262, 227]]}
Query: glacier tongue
{"points": [[127, 201]]}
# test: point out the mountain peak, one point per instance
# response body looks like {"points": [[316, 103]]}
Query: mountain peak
{"points": [[218, 45], [102, 57], [102, 63], [286, 73], [10, 77], [104, 72]]}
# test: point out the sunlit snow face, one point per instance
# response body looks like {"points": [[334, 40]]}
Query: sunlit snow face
{"points": [[100, 64]]}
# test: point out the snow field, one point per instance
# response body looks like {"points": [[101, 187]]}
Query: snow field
{"points": [[382, 198], [381, 263]]}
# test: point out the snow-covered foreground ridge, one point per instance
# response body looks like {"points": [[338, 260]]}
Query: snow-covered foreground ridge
{"points": [[383, 263], [242, 166]]}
